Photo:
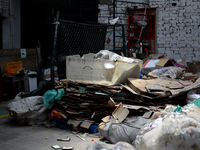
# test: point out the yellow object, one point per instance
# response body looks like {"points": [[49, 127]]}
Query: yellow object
{"points": [[46, 137]]}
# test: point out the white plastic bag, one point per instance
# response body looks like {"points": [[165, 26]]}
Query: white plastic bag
{"points": [[172, 72], [125, 131], [29, 110], [106, 54], [172, 131], [193, 95], [104, 146]]}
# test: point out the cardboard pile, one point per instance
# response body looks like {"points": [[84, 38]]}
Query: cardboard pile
{"points": [[84, 104], [152, 64], [89, 103]]}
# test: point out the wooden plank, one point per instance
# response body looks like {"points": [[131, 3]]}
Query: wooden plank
{"points": [[16, 52], [14, 55]]}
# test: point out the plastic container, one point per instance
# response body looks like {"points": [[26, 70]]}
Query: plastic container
{"points": [[100, 71], [94, 129]]}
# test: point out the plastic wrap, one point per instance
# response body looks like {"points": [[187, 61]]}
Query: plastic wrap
{"points": [[28, 110], [104, 146], [125, 131], [172, 72], [106, 54], [171, 131], [193, 95]]}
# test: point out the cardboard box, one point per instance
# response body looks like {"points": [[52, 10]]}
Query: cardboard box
{"points": [[152, 64], [189, 75], [120, 113]]}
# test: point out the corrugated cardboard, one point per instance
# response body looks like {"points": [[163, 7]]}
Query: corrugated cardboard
{"points": [[135, 107], [187, 88], [147, 114], [152, 64], [189, 75], [120, 113], [75, 123], [182, 63], [85, 124], [165, 63], [106, 119], [135, 93], [139, 85], [111, 102]]}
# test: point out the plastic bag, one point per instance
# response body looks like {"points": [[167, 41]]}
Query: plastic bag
{"points": [[28, 110], [125, 131], [106, 54], [104, 146], [49, 97], [47, 74], [12, 67], [171, 131], [193, 95], [59, 94], [55, 114], [172, 72]]}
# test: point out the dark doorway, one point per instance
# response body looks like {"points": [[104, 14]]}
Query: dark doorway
{"points": [[36, 16]]}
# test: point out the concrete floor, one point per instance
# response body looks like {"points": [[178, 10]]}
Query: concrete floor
{"points": [[16, 137]]}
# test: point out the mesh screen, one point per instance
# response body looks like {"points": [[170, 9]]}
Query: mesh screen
{"points": [[77, 38]]}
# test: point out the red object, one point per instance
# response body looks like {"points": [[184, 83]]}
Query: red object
{"points": [[55, 114], [148, 33]]}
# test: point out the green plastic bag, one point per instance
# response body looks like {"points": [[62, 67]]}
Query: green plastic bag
{"points": [[59, 94], [178, 109], [195, 102], [49, 97]]}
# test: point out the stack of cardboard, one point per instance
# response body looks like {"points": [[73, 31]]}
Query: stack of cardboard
{"points": [[162, 91], [92, 102]]}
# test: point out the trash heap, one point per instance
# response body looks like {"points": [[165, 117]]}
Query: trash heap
{"points": [[88, 103], [135, 102]]}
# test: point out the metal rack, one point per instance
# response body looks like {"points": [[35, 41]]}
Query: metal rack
{"points": [[135, 25]]}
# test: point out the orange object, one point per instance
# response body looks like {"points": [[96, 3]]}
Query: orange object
{"points": [[55, 114], [117, 108], [13, 67]]}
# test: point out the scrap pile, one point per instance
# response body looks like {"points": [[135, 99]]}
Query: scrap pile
{"points": [[87, 103], [91, 102]]}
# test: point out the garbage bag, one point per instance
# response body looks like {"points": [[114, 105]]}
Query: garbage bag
{"points": [[171, 131], [28, 110], [172, 72], [59, 94], [106, 54], [125, 131], [51, 95], [104, 146], [193, 95]]}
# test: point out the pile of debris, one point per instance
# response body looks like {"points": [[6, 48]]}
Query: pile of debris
{"points": [[125, 101]]}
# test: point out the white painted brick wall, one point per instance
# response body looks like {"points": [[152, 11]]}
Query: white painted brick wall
{"points": [[178, 27], [183, 21]]}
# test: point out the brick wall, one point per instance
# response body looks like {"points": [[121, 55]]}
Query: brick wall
{"points": [[178, 26]]}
